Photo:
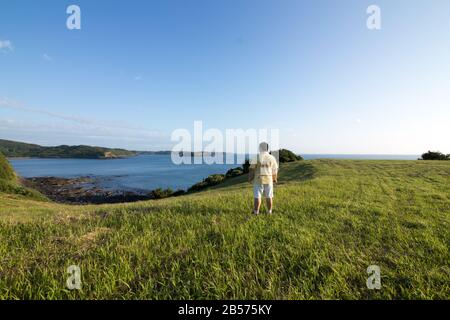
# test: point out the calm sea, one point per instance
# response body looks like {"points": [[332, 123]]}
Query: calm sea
{"points": [[144, 172]]}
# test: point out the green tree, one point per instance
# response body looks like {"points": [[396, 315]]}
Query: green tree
{"points": [[246, 166], [434, 155], [285, 155]]}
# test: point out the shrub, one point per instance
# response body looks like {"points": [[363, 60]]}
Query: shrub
{"points": [[234, 172], [214, 179], [434, 155], [179, 192], [211, 180], [198, 186], [160, 193], [285, 155]]}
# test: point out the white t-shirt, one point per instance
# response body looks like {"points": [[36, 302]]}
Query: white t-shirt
{"points": [[265, 166]]}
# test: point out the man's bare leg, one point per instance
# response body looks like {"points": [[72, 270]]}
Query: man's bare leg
{"points": [[269, 203], [256, 205]]}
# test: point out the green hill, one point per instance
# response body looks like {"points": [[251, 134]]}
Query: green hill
{"points": [[20, 149], [332, 219], [9, 183], [6, 171]]}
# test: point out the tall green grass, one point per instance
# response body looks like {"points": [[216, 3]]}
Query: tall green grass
{"points": [[9, 183], [332, 220], [6, 171]]}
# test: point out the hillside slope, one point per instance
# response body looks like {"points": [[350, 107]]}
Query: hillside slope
{"points": [[332, 220], [21, 149], [6, 170], [9, 183]]}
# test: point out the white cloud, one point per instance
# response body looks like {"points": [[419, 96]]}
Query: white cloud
{"points": [[6, 45], [81, 126], [137, 78], [12, 104], [57, 133], [46, 57]]}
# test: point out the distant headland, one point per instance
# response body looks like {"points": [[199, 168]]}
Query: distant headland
{"points": [[13, 149]]}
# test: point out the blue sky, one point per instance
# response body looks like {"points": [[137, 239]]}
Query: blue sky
{"points": [[137, 70]]}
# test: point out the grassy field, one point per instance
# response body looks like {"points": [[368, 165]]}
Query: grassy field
{"points": [[333, 218]]}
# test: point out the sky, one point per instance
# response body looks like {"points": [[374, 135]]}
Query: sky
{"points": [[138, 70]]}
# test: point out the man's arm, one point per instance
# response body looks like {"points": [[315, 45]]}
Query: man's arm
{"points": [[251, 175], [275, 171]]}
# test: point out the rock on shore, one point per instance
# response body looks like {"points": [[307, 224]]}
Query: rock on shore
{"points": [[83, 190]]}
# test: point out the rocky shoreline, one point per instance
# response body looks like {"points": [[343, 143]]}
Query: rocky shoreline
{"points": [[82, 190], [91, 190]]}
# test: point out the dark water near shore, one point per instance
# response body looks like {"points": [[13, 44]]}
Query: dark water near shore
{"points": [[144, 172]]}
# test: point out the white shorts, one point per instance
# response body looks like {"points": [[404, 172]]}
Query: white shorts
{"points": [[260, 190]]}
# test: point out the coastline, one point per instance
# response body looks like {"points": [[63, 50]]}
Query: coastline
{"points": [[72, 158], [83, 190], [88, 187]]}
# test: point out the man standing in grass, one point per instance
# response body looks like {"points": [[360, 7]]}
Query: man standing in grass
{"points": [[263, 174]]}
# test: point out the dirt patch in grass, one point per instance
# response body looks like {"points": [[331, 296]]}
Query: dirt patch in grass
{"points": [[94, 238]]}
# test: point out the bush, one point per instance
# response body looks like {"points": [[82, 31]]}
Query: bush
{"points": [[159, 193], [179, 192], [210, 181], [214, 179], [198, 186], [434, 155], [234, 172], [285, 155], [246, 166]]}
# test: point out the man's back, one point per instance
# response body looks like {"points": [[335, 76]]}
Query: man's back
{"points": [[265, 166]]}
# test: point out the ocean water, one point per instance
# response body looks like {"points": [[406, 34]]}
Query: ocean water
{"points": [[144, 172]]}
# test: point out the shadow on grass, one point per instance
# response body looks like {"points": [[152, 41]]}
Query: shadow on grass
{"points": [[296, 172]]}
